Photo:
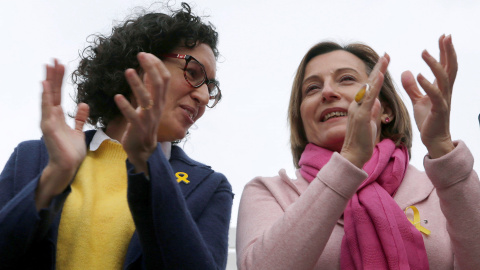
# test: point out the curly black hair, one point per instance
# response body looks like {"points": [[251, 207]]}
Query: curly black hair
{"points": [[100, 74]]}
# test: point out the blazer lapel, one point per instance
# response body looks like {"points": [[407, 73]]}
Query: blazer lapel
{"points": [[188, 173]]}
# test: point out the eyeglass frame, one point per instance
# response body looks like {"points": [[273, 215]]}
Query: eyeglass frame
{"points": [[206, 80]]}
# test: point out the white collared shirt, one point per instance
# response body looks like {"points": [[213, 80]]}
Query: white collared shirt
{"points": [[100, 137]]}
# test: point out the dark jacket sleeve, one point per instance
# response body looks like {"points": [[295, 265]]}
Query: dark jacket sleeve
{"points": [[21, 225], [178, 230]]}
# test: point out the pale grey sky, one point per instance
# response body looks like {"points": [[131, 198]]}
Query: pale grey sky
{"points": [[261, 45]]}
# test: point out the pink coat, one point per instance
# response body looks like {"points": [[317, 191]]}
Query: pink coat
{"points": [[288, 223]]}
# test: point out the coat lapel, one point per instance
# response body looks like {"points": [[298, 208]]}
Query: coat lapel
{"points": [[416, 187], [189, 174]]}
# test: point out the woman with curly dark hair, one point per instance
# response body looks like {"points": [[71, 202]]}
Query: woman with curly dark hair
{"points": [[71, 200]]}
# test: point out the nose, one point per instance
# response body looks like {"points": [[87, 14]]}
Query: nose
{"points": [[329, 93], [201, 95]]}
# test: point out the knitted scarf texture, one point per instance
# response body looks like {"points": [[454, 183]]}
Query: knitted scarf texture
{"points": [[378, 235]]}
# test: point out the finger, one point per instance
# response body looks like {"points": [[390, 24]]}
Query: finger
{"points": [[431, 90], [376, 108], [411, 87], [371, 96], [376, 81], [47, 99], [439, 72], [443, 54], [381, 66], [165, 75], [158, 76], [57, 79], [451, 56], [384, 65], [141, 94], [81, 116], [126, 108], [387, 56]]}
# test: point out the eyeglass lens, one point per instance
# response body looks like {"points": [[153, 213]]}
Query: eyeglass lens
{"points": [[196, 75]]}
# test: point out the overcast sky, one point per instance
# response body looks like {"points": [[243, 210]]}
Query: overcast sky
{"points": [[261, 45]]}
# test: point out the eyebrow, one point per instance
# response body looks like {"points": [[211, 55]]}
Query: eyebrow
{"points": [[340, 70]]}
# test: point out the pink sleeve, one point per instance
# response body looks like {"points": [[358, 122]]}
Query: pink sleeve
{"points": [[272, 234], [458, 188]]}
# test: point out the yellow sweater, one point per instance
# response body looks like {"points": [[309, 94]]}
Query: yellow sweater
{"points": [[96, 224]]}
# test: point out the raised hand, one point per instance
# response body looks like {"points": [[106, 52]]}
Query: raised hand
{"points": [[432, 111], [140, 137], [361, 134], [66, 146]]}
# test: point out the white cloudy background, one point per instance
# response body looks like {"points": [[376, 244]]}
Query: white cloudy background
{"points": [[261, 44]]}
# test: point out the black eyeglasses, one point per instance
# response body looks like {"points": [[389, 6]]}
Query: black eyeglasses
{"points": [[195, 74]]}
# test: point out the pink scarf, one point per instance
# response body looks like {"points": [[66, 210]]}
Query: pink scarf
{"points": [[378, 235]]}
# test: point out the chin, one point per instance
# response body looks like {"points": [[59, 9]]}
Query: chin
{"points": [[172, 135], [181, 134], [332, 143]]}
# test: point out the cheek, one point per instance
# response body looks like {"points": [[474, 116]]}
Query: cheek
{"points": [[306, 115], [176, 89], [307, 111], [352, 92], [303, 108], [303, 115], [201, 111]]}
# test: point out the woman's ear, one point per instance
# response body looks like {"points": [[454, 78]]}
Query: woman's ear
{"points": [[387, 114]]}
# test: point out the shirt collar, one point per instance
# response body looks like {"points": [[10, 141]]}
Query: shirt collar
{"points": [[100, 137]]}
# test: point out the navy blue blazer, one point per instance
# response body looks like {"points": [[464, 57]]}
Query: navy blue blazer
{"points": [[178, 225]]}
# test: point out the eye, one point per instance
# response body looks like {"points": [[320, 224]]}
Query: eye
{"points": [[192, 72], [347, 78], [312, 88]]}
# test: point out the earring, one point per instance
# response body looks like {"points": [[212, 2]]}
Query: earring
{"points": [[387, 120]]}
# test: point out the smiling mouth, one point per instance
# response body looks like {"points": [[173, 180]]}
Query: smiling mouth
{"points": [[334, 115], [190, 114]]}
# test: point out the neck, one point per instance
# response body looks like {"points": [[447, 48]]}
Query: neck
{"points": [[116, 128]]}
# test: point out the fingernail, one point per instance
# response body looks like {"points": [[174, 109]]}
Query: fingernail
{"points": [[426, 53], [387, 56]]}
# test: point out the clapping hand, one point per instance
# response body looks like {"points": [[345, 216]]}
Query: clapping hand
{"points": [[361, 131], [66, 146], [432, 111], [140, 137]]}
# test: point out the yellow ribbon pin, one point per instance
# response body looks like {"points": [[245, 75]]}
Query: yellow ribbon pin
{"points": [[182, 177], [416, 220]]}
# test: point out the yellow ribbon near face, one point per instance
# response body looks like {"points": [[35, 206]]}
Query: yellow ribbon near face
{"points": [[182, 177], [416, 220]]}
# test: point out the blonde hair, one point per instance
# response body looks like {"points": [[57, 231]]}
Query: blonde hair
{"points": [[398, 130]]}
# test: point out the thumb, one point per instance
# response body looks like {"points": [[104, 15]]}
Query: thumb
{"points": [[373, 122], [81, 116], [411, 87]]}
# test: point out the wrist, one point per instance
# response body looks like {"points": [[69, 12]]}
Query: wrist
{"points": [[52, 182], [139, 161], [437, 150], [139, 165], [354, 159]]}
